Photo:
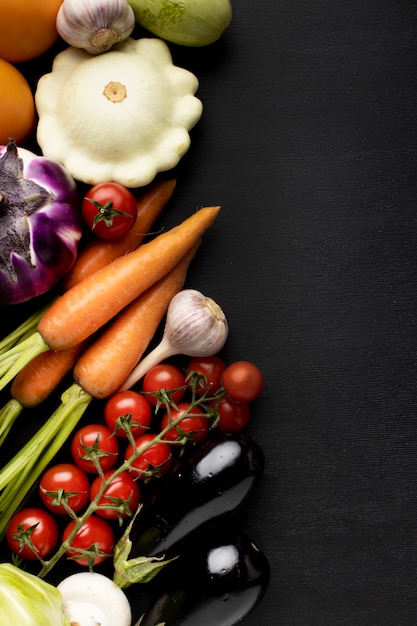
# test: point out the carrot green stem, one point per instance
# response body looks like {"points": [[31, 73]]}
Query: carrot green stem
{"points": [[15, 359], [27, 327], [21, 473], [8, 415]]}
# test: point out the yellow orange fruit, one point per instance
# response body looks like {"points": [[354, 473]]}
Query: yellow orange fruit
{"points": [[17, 105], [27, 28]]}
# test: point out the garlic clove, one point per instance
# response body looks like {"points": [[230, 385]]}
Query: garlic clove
{"points": [[195, 326], [95, 25]]}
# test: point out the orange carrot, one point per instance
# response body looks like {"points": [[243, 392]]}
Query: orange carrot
{"points": [[105, 365], [90, 304], [98, 253], [38, 379]]}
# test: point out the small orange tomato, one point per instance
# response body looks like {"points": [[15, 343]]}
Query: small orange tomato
{"points": [[17, 105], [27, 28]]}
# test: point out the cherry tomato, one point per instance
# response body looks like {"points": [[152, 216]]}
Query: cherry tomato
{"points": [[40, 526], [242, 381], [123, 488], [233, 415], [64, 480], [156, 459], [131, 407], [109, 210], [95, 533], [164, 376], [94, 440], [195, 425], [210, 368]]}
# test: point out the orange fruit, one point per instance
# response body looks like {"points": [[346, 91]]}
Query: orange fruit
{"points": [[17, 105], [27, 28]]}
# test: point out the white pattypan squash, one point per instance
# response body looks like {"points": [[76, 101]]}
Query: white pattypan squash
{"points": [[123, 116]]}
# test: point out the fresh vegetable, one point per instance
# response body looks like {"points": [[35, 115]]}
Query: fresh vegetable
{"points": [[194, 426], [90, 599], [40, 224], [209, 370], [28, 600], [148, 457], [93, 301], [243, 381], [211, 481], [35, 382], [195, 326], [146, 104], [99, 253], [127, 410], [38, 525], [167, 377], [27, 28], [64, 488], [124, 341], [219, 580], [92, 543], [17, 477], [233, 416], [129, 275], [155, 459], [22, 471], [42, 374], [92, 444], [17, 106], [120, 498], [109, 210], [95, 25], [187, 23]]}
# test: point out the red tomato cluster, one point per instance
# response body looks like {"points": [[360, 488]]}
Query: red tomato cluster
{"points": [[144, 429]]}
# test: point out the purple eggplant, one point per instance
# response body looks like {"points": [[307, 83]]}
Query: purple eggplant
{"points": [[40, 224]]}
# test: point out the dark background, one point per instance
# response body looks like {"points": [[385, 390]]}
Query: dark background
{"points": [[308, 141]]}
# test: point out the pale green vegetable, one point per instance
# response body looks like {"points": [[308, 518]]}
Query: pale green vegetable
{"points": [[26, 600], [124, 115], [184, 22]]}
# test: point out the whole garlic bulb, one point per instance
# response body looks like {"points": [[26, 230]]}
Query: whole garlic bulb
{"points": [[95, 25], [195, 326]]}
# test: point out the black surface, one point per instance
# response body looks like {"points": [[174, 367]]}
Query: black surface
{"points": [[308, 141]]}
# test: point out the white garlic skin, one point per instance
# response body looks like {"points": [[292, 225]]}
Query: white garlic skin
{"points": [[196, 325], [95, 25]]}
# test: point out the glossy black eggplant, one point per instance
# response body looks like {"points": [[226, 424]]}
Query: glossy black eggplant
{"points": [[217, 582], [215, 480]]}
